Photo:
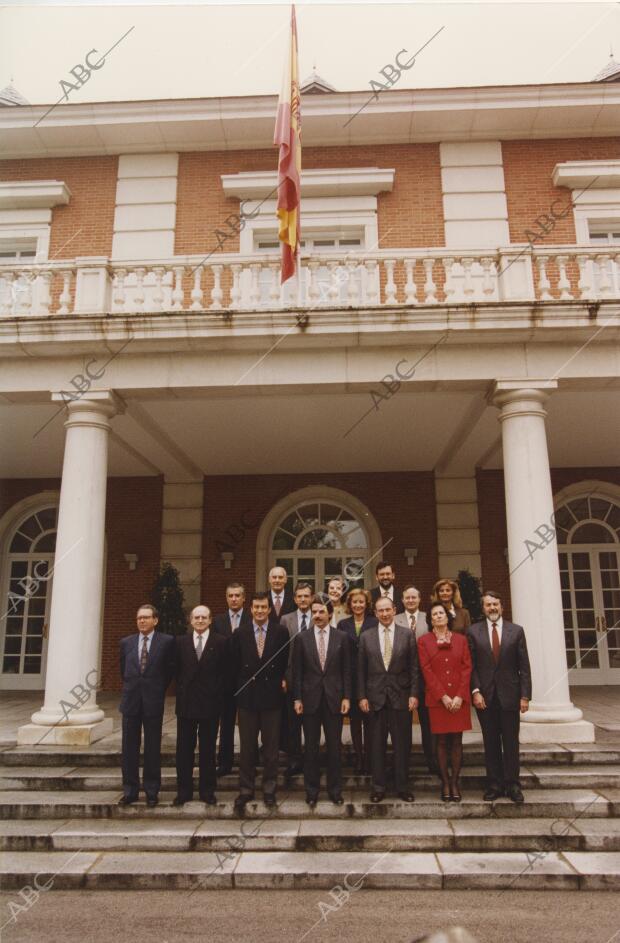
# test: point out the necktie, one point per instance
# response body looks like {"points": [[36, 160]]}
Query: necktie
{"points": [[143, 656], [199, 647], [495, 643], [278, 604], [386, 592], [260, 642], [412, 621], [235, 621], [387, 650], [322, 648], [304, 624]]}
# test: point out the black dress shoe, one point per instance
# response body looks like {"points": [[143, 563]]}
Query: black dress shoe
{"points": [[209, 798], [177, 801], [270, 801], [514, 793], [241, 802], [406, 796], [127, 800], [223, 771], [311, 800], [337, 798], [151, 802], [377, 796], [493, 793]]}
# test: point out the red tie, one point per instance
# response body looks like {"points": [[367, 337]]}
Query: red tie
{"points": [[495, 643]]}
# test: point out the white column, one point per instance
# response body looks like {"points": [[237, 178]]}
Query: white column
{"points": [[70, 714], [533, 561]]}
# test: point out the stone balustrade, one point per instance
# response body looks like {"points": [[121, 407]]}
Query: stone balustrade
{"points": [[403, 277]]}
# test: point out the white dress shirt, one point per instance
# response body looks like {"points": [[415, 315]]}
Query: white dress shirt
{"points": [[205, 638], [498, 625], [316, 637], [391, 628]]}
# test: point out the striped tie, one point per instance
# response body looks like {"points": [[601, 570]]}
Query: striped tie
{"points": [[143, 656], [260, 642], [387, 651]]}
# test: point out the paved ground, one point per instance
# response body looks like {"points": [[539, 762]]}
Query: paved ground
{"points": [[367, 917]]}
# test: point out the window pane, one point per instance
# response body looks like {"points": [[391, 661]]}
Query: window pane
{"points": [[20, 544], [10, 665], [19, 569], [608, 561], [591, 534], [318, 539], [34, 645], [599, 508], [46, 543], [579, 507], [568, 618], [283, 541], [564, 518], [582, 580], [585, 619], [30, 527], [305, 566], [613, 518], [35, 625], [309, 513], [581, 561], [32, 664], [12, 645], [293, 523], [584, 599], [48, 517]]}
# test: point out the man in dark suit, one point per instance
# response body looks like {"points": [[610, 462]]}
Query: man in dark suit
{"points": [[387, 684], [226, 624], [260, 659], [147, 667], [385, 586], [322, 690], [415, 620], [200, 681], [290, 731], [280, 596], [501, 684]]}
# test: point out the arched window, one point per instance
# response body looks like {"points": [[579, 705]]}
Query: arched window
{"points": [[26, 597], [318, 540], [588, 534]]}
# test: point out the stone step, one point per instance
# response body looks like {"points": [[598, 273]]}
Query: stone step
{"points": [[99, 755], [108, 778], [312, 835], [328, 871], [540, 803]]}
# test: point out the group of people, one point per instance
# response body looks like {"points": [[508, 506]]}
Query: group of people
{"points": [[296, 661]]}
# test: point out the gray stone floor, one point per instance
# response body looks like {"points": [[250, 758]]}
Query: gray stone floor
{"points": [[368, 916]]}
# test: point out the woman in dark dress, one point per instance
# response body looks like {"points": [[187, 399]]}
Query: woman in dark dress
{"points": [[446, 664], [359, 605], [448, 592]]}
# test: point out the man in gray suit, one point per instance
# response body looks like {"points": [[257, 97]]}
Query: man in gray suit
{"points": [[415, 620], [501, 686], [295, 622], [388, 690]]}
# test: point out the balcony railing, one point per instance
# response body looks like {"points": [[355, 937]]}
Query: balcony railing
{"points": [[404, 277]]}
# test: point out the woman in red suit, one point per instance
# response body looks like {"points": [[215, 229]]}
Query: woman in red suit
{"points": [[446, 664]]}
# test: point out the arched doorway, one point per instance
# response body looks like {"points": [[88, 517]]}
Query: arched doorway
{"points": [[588, 534], [316, 534], [25, 587]]}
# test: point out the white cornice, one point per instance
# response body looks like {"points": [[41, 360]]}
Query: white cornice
{"points": [[342, 181], [587, 174], [397, 116], [33, 194]]}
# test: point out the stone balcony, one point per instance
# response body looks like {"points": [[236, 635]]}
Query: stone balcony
{"points": [[386, 278]]}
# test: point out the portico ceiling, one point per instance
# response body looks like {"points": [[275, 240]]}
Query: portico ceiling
{"points": [[184, 437]]}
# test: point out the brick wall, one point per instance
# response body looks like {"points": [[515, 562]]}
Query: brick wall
{"points": [[403, 505], [133, 525], [84, 225], [492, 516], [412, 215]]}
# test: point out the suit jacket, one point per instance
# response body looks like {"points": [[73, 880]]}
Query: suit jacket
{"points": [[144, 694], [446, 670], [375, 593], [258, 681], [291, 622], [201, 684], [310, 682], [462, 619], [221, 622], [510, 677], [394, 685], [348, 627], [288, 603], [421, 628]]}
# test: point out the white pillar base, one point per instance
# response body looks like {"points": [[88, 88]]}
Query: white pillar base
{"points": [[580, 731], [63, 734]]}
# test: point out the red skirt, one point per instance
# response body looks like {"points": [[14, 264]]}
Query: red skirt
{"points": [[443, 721]]}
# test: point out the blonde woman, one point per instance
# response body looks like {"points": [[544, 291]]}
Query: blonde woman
{"points": [[448, 593], [359, 607]]}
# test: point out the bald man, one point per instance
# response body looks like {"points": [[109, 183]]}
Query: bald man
{"points": [[202, 669]]}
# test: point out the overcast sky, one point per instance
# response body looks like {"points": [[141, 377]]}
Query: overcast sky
{"points": [[190, 50]]}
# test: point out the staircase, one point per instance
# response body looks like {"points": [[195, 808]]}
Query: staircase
{"points": [[61, 824]]}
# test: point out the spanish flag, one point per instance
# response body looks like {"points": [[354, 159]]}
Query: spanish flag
{"points": [[287, 137]]}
